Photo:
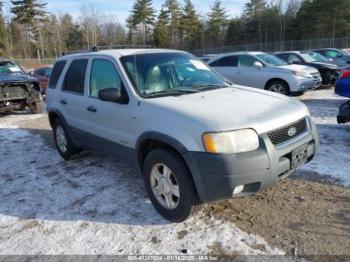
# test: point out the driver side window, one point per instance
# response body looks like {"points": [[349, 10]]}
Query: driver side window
{"points": [[103, 75]]}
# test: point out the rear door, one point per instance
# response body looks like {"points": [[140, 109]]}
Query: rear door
{"points": [[249, 75], [227, 67], [72, 103]]}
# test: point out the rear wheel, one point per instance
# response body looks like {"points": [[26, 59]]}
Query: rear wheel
{"points": [[278, 86], [170, 186], [63, 142]]}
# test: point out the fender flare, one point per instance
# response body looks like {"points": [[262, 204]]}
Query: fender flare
{"points": [[166, 139]]}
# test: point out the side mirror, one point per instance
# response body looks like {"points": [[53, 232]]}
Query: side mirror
{"points": [[258, 65], [295, 62], [110, 95], [339, 55]]}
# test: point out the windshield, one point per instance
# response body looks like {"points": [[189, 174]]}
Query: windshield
{"points": [[9, 68], [169, 74], [271, 60], [308, 58], [318, 57]]}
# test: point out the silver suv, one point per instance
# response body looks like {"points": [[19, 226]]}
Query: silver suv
{"points": [[266, 71], [193, 137]]}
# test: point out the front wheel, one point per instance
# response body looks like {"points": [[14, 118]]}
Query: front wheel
{"points": [[169, 185], [279, 87]]}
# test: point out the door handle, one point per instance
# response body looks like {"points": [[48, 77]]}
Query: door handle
{"points": [[91, 109], [63, 101]]}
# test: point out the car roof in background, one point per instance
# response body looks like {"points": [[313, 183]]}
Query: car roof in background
{"points": [[120, 52], [3, 59]]}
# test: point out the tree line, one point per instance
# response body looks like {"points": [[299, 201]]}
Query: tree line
{"points": [[29, 31]]}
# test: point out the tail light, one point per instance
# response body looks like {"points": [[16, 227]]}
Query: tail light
{"points": [[345, 74]]}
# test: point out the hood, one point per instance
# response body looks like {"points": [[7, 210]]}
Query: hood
{"points": [[16, 77], [323, 65], [236, 108], [300, 68]]}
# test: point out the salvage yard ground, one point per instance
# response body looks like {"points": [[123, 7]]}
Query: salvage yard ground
{"points": [[98, 205]]}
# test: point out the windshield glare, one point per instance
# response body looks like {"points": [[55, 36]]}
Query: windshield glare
{"points": [[9, 68], [166, 72], [271, 60], [318, 57], [308, 58]]}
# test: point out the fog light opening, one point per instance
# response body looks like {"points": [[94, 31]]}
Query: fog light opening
{"points": [[238, 189]]}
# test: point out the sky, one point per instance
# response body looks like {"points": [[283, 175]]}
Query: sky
{"points": [[121, 9]]}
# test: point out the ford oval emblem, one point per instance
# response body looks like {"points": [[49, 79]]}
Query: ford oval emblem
{"points": [[292, 131]]}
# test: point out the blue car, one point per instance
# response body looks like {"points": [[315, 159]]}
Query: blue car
{"points": [[342, 88]]}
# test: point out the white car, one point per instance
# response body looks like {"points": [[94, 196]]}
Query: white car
{"points": [[193, 137], [265, 71]]}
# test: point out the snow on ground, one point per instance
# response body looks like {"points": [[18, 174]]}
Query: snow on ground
{"points": [[92, 205], [333, 159]]}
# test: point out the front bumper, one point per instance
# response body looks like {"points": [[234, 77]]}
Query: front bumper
{"points": [[217, 176], [309, 84]]}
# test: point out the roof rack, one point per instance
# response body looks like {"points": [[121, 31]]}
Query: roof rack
{"points": [[107, 47]]}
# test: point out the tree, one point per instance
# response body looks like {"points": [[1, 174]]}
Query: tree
{"points": [[190, 26], [174, 10], [30, 14], [253, 13], [235, 32], [160, 33], [142, 16], [217, 24], [3, 34]]}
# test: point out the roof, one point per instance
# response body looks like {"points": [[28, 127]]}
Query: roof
{"points": [[122, 52], [3, 59]]}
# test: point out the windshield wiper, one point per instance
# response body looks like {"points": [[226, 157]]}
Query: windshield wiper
{"points": [[209, 87], [171, 92]]}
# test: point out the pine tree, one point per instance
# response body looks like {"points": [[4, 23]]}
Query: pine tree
{"points": [[174, 11], [143, 15], [160, 34], [30, 14], [191, 27], [217, 24], [2, 32], [253, 15]]}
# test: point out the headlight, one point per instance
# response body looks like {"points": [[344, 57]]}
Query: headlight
{"points": [[301, 74], [239, 141]]}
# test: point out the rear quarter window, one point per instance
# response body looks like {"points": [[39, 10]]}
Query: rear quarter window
{"points": [[75, 77], [56, 73]]}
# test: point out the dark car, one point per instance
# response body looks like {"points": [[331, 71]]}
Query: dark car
{"points": [[43, 75], [18, 90], [338, 56], [329, 72], [342, 88]]}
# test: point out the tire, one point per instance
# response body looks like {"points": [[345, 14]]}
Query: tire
{"points": [[188, 202], [68, 150], [37, 108], [278, 86]]}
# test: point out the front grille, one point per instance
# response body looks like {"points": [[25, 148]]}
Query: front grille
{"points": [[285, 134], [12, 92]]}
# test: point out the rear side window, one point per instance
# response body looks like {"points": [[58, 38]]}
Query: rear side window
{"points": [[56, 73], [227, 61], [75, 77]]}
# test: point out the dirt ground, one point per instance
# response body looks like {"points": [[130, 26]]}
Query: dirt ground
{"points": [[299, 217]]}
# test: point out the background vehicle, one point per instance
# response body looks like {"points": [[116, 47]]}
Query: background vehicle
{"points": [[265, 71], [18, 90], [342, 88], [43, 75], [194, 138], [338, 56], [329, 72]]}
